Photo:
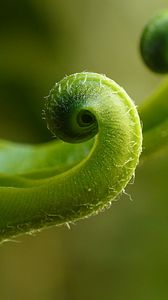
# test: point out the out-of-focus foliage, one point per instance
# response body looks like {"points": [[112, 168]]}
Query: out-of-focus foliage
{"points": [[122, 253]]}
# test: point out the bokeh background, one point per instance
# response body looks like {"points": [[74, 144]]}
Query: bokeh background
{"points": [[123, 252]]}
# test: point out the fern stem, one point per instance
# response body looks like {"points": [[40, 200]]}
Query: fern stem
{"points": [[81, 107]]}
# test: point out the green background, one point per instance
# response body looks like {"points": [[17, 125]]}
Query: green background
{"points": [[123, 252]]}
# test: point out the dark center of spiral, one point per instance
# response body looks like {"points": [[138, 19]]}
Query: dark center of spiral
{"points": [[85, 118]]}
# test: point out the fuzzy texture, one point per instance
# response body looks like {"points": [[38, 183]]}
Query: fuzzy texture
{"points": [[61, 182]]}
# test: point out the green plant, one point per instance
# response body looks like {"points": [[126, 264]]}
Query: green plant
{"points": [[60, 182], [154, 111]]}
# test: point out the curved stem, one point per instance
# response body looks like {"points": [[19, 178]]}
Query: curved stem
{"points": [[69, 186]]}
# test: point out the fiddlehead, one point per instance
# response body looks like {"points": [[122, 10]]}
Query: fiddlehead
{"points": [[154, 110], [60, 182]]}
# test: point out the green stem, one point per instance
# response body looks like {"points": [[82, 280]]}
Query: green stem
{"points": [[154, 115], [58, 182]]}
